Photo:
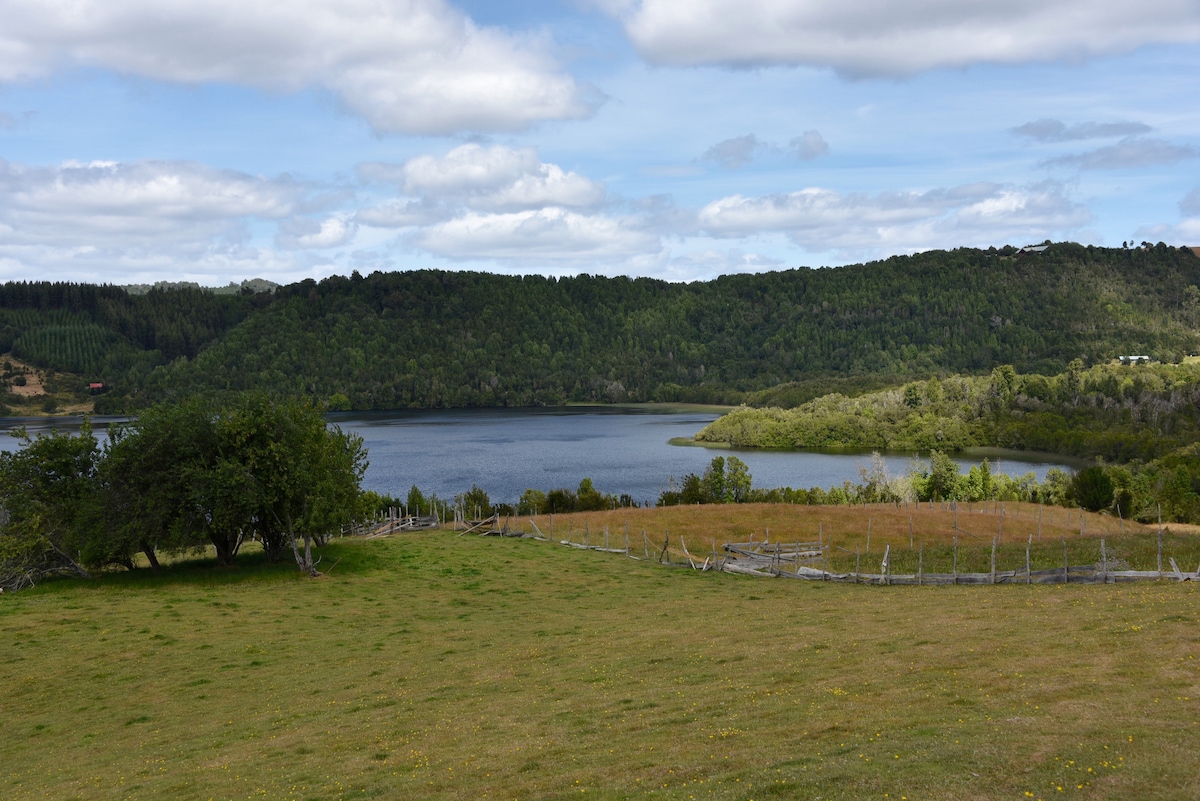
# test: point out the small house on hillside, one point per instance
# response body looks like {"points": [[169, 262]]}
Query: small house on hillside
{"points": [[1134, 359]]}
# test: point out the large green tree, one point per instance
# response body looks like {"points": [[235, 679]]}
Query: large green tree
{"points": [[48, 508]]}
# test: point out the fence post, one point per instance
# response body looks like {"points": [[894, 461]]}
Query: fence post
{"points": [[856, 563], [1103, 563], [666, 542], [993, 561], [1160, 540], [886, 567], [1066, 564], [910, 533], [868, 535], [1028, 570], [921, 565], [646, 545], [1160, 550], [956, 557]]}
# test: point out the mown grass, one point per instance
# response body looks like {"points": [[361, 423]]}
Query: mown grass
{"points": [[437, 666]]}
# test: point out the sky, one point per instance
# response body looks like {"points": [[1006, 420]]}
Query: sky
{"points": [[215, 141]]}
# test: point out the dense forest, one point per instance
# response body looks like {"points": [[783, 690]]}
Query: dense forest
{"points": [[457, 339], [1141, 423]]}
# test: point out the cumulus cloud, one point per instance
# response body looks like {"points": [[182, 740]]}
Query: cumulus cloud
{"points": [[305, 233], [97, 221], [1050, 130], [408, 66], [100, 204], [1127, 154], [823, 219], [495, 178], [736, 152], [809, 145], [550, 235], [402, 213], [870, 38]]}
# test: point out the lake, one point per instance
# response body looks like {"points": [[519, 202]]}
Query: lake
{"points": [[623, 451]]}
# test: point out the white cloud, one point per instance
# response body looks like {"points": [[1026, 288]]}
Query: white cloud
{"points": [[402, 214], [304, 233], [1127, 154], [150, 220], [809, 145], [495, 178], [103, 204], [550, 235], [1050, 130], [410, 66], [822, 219], [876, 38]]}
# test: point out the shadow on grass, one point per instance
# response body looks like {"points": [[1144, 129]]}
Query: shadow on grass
{"points": [[338, 558]]}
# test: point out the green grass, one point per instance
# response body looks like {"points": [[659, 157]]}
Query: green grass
{"points": [[437, 666]]}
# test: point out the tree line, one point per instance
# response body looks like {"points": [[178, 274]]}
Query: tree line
{"points": [[1140, 424], [434, 339], [179, 477]]}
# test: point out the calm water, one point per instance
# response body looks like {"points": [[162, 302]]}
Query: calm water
{"points": [[506, 451]]}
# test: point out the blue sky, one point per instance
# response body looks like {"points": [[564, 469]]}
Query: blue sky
{"points": [[213, 140]]}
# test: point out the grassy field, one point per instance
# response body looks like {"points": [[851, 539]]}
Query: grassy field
{"points": [[438, 666]]}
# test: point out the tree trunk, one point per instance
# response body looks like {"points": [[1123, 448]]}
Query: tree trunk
{"points": [[226, 550], [305, 562], [151, 557], [273, 545]]}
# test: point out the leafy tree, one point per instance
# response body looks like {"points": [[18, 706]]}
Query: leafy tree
{"points": [[737, 480], [1093, 489], [589, 499], [713, 482], [561, 501], [47, 508], [532, 502], [941, 482], [474, 501], [145, 477], [417, 503]]}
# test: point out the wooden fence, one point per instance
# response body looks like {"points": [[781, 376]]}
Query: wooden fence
{"points": [[808, 561]]}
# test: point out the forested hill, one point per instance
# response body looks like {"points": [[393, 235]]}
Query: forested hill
{"points": [[440, 339]]}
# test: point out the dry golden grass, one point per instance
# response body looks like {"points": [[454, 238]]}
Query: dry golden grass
{"points": [[846, 526]]}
